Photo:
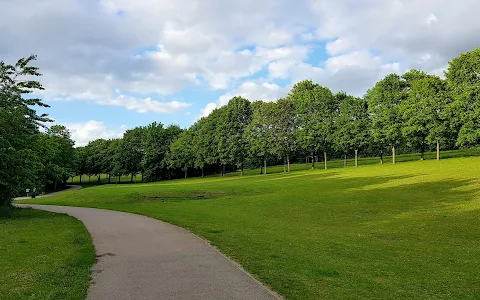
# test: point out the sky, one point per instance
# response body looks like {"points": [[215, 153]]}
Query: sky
{"points": [[111, 65]]}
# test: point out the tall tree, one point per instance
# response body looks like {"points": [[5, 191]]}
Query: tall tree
{"points": [[156, 143], [237, 117], [132, 151], [19, 124], [316, 110], [260, 134], [352, 127], [284, 126], [463, 80], [425, 114], [181, 152], [384, 100], [56, 152]]}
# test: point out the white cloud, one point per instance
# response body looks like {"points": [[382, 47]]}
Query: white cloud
{"points": [[87, 51], [82, 133], [250, 90]]}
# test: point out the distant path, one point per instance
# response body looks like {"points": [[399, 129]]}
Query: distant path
{"points": [[143, 258], [70, 188]]}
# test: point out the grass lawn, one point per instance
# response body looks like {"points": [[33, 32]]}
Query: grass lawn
{"points": [[43, 256], [405, 231]]}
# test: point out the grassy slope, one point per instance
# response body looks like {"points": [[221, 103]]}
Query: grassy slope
{"points": [[43, 256], [409, 230]]}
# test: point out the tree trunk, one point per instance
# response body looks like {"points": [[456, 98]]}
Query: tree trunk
{"points": [[381, 157], [55, 186], [98, 179], [88, 178], [284, 166], [109, 178], [142, 177], [313, 162], [265, 166], [345, 161], [80, 179], [186, 170], [438, 150], [202, 172], [241, 169], [261, 170], [325, 157], [118, 181], [422, 156], [131, 178], [288, 163], [356, 158], [224, 173], [393, 155]]}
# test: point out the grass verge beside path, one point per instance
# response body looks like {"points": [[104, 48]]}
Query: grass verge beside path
{"points": [[405, 231], [43, 256]]}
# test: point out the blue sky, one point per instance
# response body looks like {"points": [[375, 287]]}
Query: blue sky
{"points": [[110, 65]]}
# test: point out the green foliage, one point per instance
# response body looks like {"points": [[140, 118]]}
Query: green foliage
{"points": [[425, 112], [19, 124], [316, 109], [384, 101], [352, 125], [181, 152], [284, 129], [463, 79], [260, 132], [131, 151], [156, 143]]}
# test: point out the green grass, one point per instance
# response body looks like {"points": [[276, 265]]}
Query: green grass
{"points": [[405, 231], [43, 256]]}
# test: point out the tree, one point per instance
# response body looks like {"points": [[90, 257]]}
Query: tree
{"points": [[238, 115], [96, 158], [56, 153], [156, 143], [19, 123], [260, 134], [80, 157], [181, 152], [424, 113], [316, 110], [132, 151], [383, 104], [352, 126], [463, 81], [284, 127]]}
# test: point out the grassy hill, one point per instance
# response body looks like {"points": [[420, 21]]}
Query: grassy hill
{"points": [[409, 230]]}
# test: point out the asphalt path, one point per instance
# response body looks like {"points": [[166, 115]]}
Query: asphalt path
{"points": [[143, 258]]}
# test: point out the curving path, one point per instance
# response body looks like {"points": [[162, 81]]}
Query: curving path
{"points": [[143, 258]]}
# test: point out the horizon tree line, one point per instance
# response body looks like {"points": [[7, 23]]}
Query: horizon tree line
{"points": [[405, 113]]}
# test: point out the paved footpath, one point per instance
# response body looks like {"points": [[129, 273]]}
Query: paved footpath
{"points": [[143, 258]]}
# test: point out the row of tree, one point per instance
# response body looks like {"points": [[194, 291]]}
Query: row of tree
{"points": [[412, 112], [408, 113]]}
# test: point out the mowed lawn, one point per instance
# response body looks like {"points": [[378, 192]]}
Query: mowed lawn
{"points": [[405, 231], [43, 256]]}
